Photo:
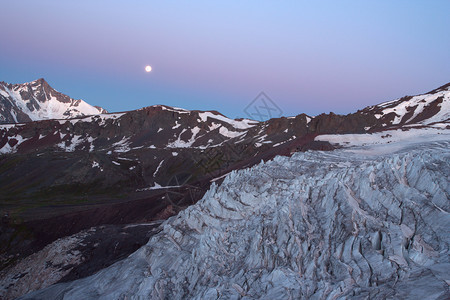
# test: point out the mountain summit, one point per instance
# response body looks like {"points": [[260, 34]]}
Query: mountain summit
{"points": [[37, 100]]}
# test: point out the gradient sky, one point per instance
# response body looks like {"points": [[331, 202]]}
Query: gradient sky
{"points": [[307, 56]]}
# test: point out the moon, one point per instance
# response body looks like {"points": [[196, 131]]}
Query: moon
{"points": [[148, 69]]}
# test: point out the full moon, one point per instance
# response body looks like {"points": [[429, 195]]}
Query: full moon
{"points": [[148, 69]]}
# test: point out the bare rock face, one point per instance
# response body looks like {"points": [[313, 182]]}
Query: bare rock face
{"points": [[316, 225], [37, 100], [73, 257]]}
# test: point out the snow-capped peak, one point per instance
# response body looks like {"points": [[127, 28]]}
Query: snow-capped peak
{"points": [[37, 100]]}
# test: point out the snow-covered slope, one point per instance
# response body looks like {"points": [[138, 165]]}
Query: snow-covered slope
{"points": [[422, 109], [317, 225], [36, 100]]}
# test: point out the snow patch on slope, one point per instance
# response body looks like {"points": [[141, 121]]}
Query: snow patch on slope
{"points": [[239, 124], [179, 143], [101, 119], [12, 149]]}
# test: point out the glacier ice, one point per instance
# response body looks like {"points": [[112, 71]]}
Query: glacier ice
{"points": [[317, 225]]}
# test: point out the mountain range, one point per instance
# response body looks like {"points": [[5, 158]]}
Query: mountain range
{"points": [[72, 175]]}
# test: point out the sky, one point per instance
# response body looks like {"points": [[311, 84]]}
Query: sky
{"points": [[306, 56]]}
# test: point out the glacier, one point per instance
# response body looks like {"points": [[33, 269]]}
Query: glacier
{"points": [[317, 225]]}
